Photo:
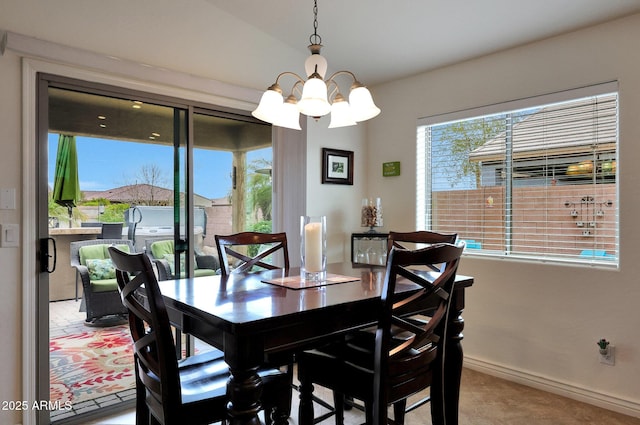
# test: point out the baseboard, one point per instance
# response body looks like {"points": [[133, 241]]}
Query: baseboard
{"points": [[606, 401]]}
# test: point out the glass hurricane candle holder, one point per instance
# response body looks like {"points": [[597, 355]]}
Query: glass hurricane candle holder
{"points": [[313, 248]]}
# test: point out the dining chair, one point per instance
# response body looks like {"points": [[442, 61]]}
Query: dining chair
{"points": [[398, 360], [250, 251], [415, 240], [247, 252], [168, 391], [419, 238]]}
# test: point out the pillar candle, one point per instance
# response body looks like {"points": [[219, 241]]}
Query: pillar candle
{"points": [[313, 247]]}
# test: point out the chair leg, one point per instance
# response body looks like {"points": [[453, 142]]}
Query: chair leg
{"points": [[285, 411], [399, 410], [268, 416], [143, 416], [368, 414], [338, 405]]}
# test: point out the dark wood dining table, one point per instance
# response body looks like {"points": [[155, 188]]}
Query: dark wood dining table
{"points": [[249, 319]]}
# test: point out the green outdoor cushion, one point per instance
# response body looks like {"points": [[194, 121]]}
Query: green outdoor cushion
{"points": [[104, 285], [93, 252], [200, 272], [169, 258], [100, 269], [98, 252], [204, 272], [160, 249]]}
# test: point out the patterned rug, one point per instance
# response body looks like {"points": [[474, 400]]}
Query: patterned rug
{"points": [[91, 364]]}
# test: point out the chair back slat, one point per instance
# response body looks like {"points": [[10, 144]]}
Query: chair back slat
{"points": [[414, 240], [235, 248], [154, 347], [419, 239]]}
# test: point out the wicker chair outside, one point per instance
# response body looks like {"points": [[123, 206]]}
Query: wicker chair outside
{"points": [[207, 264], [98, 304]]}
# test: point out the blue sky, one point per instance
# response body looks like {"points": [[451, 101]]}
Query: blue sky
{"points": [[105, 164]]}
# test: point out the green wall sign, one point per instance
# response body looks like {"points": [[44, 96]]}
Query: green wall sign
{"points": [[391, 168]]}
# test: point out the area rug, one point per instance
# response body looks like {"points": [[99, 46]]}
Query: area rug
{"points": [[90, 364]]}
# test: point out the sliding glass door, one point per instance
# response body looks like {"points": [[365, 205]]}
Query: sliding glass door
{"points": [[173, 174], [232, 160]]}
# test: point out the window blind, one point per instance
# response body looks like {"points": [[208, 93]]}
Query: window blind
{"points": [[538, 182]]}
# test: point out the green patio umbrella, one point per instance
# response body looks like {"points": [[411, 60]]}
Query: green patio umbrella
{"points": [[66, 186]]}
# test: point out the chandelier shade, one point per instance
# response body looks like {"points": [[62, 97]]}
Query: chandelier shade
{"points": [[270, 102], [289, 116], [362, 105], [318, 96], [341, 115], [314, 101]]}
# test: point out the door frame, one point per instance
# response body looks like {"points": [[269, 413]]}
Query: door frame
{"points": [[138, 77]]}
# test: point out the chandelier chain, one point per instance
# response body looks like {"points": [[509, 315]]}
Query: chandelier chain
{"points": [[317, 96], [315, 38]]}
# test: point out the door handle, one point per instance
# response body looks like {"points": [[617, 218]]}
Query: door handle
{"points": [[45, 256]]}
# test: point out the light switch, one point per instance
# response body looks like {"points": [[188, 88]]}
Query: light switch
{"points": [[8, 199], [9, 235]]}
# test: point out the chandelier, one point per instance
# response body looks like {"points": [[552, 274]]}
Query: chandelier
{"points": [[318, 97]]}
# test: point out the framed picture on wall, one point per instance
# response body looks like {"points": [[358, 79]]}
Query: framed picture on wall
{"points": [[337, 166]]}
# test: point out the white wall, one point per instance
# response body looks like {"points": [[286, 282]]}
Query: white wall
{"points": [[340, 203], [533, 322], [10, 258]]}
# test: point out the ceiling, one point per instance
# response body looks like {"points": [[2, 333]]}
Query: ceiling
{"points": [[249, 42], [385, 40]]}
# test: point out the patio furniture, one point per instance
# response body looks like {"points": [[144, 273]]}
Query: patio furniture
{"points": [[93, 265], [169, 392], [162, 254], [90, 224], [397, 361], [111, 231]]}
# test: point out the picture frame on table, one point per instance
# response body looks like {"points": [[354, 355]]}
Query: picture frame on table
{"points": [[337, 166]]}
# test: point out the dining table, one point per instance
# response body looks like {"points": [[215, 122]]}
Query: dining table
{"points": [[250, 316]]}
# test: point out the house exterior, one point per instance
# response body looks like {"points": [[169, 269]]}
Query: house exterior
{"points": [[564, 159], [141, 194]]}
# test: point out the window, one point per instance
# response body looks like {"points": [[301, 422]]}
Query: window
{"points": [[533, 179]]}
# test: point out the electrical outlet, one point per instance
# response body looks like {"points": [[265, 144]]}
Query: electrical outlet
{"points": [[610, 357]]}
